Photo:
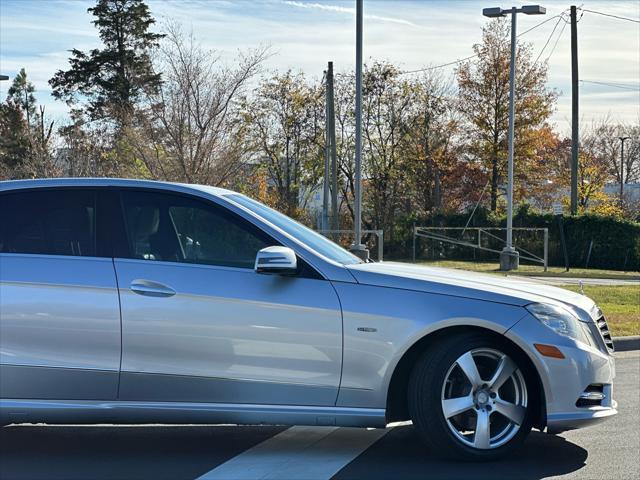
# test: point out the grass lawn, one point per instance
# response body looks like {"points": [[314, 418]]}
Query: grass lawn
{"points": [[620, 304], [535, 270]]}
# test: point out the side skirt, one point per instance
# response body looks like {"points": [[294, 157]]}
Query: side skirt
{"points": [[92, 412]]}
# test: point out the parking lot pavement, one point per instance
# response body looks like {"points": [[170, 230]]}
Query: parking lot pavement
{"points": [[607, 451]]}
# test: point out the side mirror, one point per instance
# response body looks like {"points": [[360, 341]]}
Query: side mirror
{"points": [[276, 261]]}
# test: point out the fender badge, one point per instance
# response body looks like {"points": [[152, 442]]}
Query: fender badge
{"points": [[367, 329]]}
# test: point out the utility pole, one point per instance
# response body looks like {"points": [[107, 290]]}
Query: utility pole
{"points": [[324, 223], [357, 248], [622, 139], [574, 111], [331, 126]]}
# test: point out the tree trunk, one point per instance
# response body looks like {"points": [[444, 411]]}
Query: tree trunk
{"points": [[494, 185]]}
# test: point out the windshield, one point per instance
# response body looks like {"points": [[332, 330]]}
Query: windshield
{"points": [[313, 240]]}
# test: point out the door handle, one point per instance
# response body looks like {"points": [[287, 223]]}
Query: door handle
{"points": [[151, 289]]}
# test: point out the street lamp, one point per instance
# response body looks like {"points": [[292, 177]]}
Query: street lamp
{"points": [[509, 258], [4, 77], [622, 139]]}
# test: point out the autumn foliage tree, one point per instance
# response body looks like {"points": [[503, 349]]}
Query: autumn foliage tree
{"points": [[483, 100]]}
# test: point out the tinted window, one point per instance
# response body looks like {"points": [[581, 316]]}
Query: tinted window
{"points": [[48, 222], [174, 228], [312, 239]]}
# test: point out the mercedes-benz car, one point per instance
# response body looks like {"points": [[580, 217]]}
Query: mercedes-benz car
{"points": [[147, 302]]}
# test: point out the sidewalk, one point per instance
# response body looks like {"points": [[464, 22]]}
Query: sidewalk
{"points": [[576, 280]]}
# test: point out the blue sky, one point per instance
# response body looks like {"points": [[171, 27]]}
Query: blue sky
{"points": [[304, 35]]}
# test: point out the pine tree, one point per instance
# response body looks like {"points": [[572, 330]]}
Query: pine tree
{"points": [[108, 82], [21, 96]]}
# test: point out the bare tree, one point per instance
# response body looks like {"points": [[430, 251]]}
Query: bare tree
{"points": [[191, 129]]}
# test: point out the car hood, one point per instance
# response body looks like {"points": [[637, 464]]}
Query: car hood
{"points": [[461, 283]]}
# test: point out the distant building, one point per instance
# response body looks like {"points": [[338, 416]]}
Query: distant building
{"points": [[631, 191]]}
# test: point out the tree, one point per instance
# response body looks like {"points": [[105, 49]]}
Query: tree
{"points": [[21, 95], [286, 122], [389, 108], [432, 148], [14, 140], [109, 82], [26, 137], [191, 130], [484, 102]]}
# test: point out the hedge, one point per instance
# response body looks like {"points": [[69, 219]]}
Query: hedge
{"points": [[615, 243]]}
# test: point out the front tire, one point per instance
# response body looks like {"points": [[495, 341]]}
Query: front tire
{"points": [[469, 397]]}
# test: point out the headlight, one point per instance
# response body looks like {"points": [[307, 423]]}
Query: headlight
{"points": [[558, 319]]}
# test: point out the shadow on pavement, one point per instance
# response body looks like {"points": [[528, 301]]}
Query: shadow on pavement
{"points": [[158, 452], [127, 452], [401, 454]]}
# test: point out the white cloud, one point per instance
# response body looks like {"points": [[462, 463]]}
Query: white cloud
{"points": [[306, 35], [350, 11]]}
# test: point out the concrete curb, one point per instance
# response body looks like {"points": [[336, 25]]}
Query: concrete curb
{"points": [[625, 344]]}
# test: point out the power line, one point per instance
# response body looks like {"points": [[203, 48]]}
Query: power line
{"points": [[616, 85], [542, 23], [612, 16], [548, 39], [460, 60], [553, 49]]}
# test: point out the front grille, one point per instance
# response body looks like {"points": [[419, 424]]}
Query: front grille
{"points": [[604, 331]]}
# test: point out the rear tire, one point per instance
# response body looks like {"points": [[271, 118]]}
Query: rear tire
{"points": [[470, 397]]}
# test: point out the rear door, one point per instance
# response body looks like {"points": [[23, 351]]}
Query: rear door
{"points": [[59, 308], [200, 325]]}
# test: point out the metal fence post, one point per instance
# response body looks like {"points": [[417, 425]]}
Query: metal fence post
{"points": [[380, 234], [414, 243], [546, 249]]}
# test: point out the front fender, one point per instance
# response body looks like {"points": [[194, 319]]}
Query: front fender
{"points": [[380, 324]]}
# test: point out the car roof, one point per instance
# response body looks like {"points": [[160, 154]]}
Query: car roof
{"points": [[110, 182]]}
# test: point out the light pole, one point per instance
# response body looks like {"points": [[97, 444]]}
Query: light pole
{"points": [[4, 77], [357, 248], [622, 139], [509, 258]]}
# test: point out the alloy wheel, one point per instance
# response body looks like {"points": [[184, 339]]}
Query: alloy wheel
{"points": [[484, 398]]}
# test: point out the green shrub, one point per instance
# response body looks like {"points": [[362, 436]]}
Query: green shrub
{"points": [[615, 243]]}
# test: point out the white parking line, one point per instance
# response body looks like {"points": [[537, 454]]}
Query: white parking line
{"points": [[300, 453]]}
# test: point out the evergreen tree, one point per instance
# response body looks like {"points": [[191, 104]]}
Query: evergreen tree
{"points": [[20, 95], [108, 82], [14, 139]]}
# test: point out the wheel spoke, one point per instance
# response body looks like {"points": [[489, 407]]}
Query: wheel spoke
{"points": [[455, 406], [513, 412], [482, 436], [470, 369], [506, 367]]}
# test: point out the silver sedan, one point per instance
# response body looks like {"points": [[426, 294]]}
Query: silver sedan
{"points": [[137, 301]]}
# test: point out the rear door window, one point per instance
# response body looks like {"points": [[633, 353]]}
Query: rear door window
{"points": [[48, 222]]}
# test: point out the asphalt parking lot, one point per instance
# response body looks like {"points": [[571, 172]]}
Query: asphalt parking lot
{"points": [[607, 451]]}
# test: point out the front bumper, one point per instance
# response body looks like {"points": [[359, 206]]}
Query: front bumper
{"points": [[584, 367], [561, 422]]}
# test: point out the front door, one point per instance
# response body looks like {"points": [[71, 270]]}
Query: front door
{"points": [[200, 325]]}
